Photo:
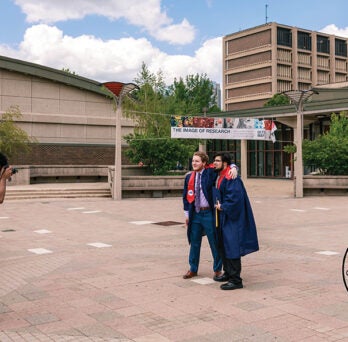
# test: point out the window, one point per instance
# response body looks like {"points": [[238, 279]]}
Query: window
{"points": [[323, 44], [267, 159], [340, 47], [284, 37], [230, 146], [304, 41]]}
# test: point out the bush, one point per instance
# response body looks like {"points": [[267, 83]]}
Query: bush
{"points": [[159, 154], [329, 152], [13, 140]]}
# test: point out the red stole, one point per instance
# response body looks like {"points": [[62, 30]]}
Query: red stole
{"points": [[190, 196], [223, 173]]}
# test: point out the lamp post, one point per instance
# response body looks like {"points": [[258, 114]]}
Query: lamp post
{"points": [[118, 90], [298, 97]]}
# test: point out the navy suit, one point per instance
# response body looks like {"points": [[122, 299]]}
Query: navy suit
{"points": [[202, 222]]}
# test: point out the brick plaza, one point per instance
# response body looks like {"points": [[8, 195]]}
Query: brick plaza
{"points": [[103, 270]]}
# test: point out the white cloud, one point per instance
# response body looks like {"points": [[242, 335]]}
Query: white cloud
{"points": [[182, 33], [333, 29], [146, 14], [117, 60]]}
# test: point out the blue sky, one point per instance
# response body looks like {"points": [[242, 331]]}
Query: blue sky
{"points": [[109, 39]]}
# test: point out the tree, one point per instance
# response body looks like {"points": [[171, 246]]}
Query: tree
{"points": [[192, 95], [151, 109], [148, 104], [13, 140], [67, 70], [329, 152], [277, 100]]}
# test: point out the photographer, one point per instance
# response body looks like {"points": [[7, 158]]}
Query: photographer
{"points": [[6, 172]]}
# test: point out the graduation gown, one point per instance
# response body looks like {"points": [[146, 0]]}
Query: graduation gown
{"points": [[236, 220]]}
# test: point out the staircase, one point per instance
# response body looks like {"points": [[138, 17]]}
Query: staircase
{"points": [[64, 190]]}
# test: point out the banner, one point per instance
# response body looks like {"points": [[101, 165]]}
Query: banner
{"points": [[191, 127]]}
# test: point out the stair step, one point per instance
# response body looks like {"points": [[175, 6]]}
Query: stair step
{"points": [[56, 193], [31, 196], [56, 190]]}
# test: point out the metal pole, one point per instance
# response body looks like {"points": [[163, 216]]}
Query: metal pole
{"points": [[117, 182], [243, 159], [298, 161], [299, 97], [118, 90]]}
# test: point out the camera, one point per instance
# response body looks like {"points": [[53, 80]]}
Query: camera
{"points": [[14, 170]]}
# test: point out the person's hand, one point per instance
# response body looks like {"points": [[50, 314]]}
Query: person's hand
{"points": [[218, 206], [233, 172], [7, 173], [186, 222]]}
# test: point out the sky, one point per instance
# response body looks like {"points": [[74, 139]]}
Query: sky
{"points": [[108, 40]]}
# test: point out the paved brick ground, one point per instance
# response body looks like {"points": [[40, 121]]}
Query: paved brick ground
{"points": [[103, 270]]}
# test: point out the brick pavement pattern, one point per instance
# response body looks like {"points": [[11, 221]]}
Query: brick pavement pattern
{"points": [[103, 270]]}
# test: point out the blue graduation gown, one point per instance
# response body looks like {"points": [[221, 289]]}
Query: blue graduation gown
{"points": [[236, 220]]}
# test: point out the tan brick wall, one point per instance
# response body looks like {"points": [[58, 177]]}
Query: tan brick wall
{"points": [[255, 89], [248, 60], [245, 105], [52, 154], [249, 75], [249, 42]]}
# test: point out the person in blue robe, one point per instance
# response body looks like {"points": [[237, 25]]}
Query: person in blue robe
{"points": [[236, 226]]}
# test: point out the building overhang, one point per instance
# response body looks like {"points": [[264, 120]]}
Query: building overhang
{"points": [[328, 100], [51, 74]]}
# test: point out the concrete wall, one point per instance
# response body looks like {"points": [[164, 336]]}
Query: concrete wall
{"points": [[29, 174], [325, 185], [56, 114]]}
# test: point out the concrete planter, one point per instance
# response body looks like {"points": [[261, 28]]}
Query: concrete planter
{"points": [[32, 174], [325, 185], [148, 186], [152, 186]]}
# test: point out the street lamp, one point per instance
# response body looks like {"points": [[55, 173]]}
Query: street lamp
{"points": [[298, 98], [118, 91]]}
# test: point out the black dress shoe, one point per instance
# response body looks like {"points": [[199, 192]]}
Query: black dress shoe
{"points": [[222, 277], [231, 286]]}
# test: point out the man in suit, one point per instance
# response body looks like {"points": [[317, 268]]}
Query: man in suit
{"points": [[198, 207], [236, 224]]}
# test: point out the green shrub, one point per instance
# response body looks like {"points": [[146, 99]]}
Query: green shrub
{"points": [[329, 152]]}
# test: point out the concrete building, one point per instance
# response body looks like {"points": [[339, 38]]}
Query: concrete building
{"points": [[271, 58], [217, 94], [71, 117]]}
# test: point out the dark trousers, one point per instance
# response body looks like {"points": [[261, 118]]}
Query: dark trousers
{"points": [[233, 267]]}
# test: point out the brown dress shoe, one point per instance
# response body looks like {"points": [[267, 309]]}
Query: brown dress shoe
{"points": [[189, 275]]}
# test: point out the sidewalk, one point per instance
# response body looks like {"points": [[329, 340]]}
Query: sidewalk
{"points": [[104, 270]]}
